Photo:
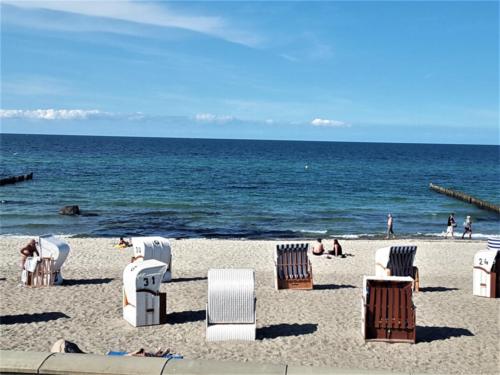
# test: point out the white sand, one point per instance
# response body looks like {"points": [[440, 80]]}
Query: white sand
{"points": [[457, 332]]}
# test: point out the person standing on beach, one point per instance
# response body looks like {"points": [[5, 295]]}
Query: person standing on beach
{"points": [[27, 252], [451, 226], [390, 230], [467, 227]]}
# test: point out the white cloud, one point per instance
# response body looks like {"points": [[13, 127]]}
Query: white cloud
{"points": [[146, 13], [52, 114], [209, 117], [328, 123]]}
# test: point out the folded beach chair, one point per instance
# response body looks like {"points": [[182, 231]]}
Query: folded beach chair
{"points": [[388, 313], [486, 273], [153, 248], [292, 267], [45, 270], [397, 261], [231, 305], [143, 304]]}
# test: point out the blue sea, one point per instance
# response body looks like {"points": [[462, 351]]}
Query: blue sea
{"points": [[204, 188]]}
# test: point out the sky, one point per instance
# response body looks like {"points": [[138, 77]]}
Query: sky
{"points": [[397, 71]]}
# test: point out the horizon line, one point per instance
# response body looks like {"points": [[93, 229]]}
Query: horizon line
{"points": [[252, 139]]}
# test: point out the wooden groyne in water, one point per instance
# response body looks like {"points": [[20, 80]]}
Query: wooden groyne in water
{"points": [[466, 198], [14, 179]]}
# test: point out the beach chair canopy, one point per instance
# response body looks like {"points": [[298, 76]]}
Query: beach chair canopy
{"points": [[399, 259], [231, 296], [152, 248], [142, 277], [292, 261], [486, 259], [53, 247], [494, 243]]}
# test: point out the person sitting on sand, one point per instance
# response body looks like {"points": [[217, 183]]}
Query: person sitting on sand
{"points": [[123, 243], [28, 251], [318, 248], [337, 249]]}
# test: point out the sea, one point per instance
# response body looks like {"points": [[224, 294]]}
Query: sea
{"points": [[242, 189]]}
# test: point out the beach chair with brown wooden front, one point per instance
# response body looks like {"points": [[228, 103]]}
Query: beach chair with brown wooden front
{"points": [[397, 261], [292, 268], [388, 313]]}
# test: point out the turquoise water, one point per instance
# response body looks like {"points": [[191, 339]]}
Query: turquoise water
{"points": [[241, 189]]}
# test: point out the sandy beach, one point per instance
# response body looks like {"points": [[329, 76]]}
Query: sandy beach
{"points": [[456, 332]]}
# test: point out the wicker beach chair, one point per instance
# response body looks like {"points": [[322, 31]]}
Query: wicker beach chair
{"points": [[292, 267], [486, 273], [45, 270], [397, 261], [143, 304], [38, 272], [231, 305], [388, 313], [153, 248]]}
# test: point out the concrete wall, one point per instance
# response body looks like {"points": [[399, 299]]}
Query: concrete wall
{"points": [[16, 362]]}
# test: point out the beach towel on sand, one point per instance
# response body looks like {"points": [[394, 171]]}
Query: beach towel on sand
{"points": [[142, 353]]}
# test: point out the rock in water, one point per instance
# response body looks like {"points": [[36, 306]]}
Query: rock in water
{"points": [[70, 210]]}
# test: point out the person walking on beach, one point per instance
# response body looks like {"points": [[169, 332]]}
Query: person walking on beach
{"points": [[318, 248], [390, 223], [27, 252], [467, 227], [451, 226]]}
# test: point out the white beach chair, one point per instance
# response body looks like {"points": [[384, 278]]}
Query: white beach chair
{"points": [[231, 305], [154, 248], [397, 261], [143, 304], [45, 270], [486, 274]]}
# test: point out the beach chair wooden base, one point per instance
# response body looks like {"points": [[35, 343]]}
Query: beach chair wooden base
{"points": [[43, 274], [305, 284], [389, 313]]}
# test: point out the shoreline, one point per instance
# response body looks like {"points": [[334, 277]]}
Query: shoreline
{"points": [[427, 237]]}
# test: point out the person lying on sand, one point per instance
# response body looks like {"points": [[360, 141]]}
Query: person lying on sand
{"points": [[65, 346], [124, 243]]}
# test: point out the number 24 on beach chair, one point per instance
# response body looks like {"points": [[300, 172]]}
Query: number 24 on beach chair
{"points": [[292, 269]]}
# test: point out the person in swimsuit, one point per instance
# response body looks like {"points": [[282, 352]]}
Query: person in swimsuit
{"points": [[28, 251], [337, 249], [318, 248]]}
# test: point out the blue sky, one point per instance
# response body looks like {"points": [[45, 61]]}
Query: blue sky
{"points": [[337, 71]]}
